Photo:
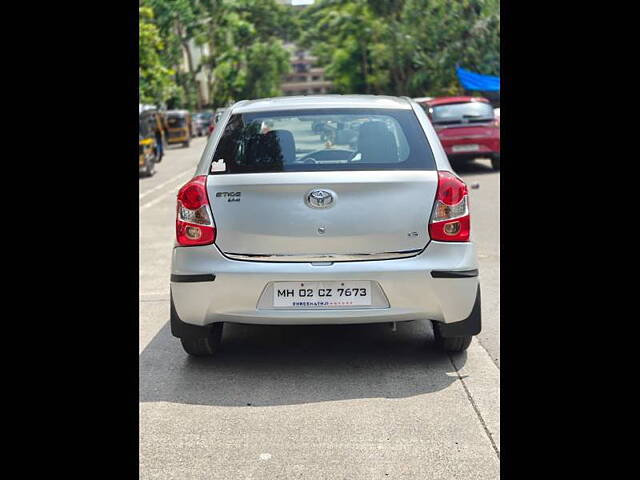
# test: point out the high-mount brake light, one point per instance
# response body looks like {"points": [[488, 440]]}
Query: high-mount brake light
{"points": [[194, 221], [450, 220]]}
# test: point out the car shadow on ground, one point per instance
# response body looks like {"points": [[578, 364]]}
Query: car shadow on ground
{"points": [[287, 365], [473, 167]]}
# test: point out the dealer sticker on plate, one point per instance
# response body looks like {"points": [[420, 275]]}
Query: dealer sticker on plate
{"points": [[352, 293]]}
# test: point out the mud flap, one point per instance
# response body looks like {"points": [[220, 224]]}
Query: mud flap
{"points": [[467, 327], [181, 329]]}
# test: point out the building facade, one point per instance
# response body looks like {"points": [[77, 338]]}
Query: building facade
{"points": [[306, 78]]}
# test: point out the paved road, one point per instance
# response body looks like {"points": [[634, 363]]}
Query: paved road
{"points": [[485, 227], [356, 402]]}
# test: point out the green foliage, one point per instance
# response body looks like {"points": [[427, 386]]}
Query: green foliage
{"points": [[178, 21], [246, 57], [156, 83], [249, 59], [397, 47], [266, 64], [403, 47]]}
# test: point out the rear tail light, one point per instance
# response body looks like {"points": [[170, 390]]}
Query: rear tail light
{"points": [[194, 221], [450, 220]]}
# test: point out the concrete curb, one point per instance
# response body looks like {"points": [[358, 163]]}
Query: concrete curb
{"points": [[481, 380]]}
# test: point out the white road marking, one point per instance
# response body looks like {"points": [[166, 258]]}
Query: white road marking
{"points": [[265, 456], [154, 297], [173, 191], [163, 184]]}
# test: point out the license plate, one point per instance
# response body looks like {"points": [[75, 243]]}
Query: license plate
{"points": [[465, 148], [355, 293]]}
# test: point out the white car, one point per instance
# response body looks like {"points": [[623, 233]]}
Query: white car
{"points": [[280, 226]]}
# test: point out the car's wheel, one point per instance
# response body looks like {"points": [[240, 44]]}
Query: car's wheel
{"points": [[450, 344], [204, 346], [495, 162], [186, 144]]}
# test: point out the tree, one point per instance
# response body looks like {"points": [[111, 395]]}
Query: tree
{"points": [[248, 59], [179, 23], [343, 35], [156, 83], [402, 47]]}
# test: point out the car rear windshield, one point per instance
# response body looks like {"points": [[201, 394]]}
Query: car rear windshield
{"points": [[176, 122], [322, 140], [459, 112], [146, 127]]}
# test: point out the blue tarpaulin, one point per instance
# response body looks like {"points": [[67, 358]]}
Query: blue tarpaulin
{"points": [[475, 81]]}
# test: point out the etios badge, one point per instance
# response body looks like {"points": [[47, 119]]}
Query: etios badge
{"points": [[320, 198]]}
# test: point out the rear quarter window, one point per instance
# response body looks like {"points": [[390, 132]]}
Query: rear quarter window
{"points": [[322, 140]]}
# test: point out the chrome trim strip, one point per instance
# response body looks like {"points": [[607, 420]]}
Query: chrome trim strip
{"points": [[349, 257]]}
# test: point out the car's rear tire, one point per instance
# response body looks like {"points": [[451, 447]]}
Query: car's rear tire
{"points": [[204, 346], [495, 162], [186, 144], [451, 344]]}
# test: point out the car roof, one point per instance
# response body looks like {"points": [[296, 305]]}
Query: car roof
{"points": [[321, 101], [177, 112], [445, 100]]}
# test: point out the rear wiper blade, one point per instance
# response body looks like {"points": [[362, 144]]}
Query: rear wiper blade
{"points": [[481, 119]]}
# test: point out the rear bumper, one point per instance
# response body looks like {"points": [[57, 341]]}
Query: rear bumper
{"points": [[177, 136], [207, 287], [486, 146]]}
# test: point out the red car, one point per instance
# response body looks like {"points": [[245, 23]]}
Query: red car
{"points": [[467, 127]]}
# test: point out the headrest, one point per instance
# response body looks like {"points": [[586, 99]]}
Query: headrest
{"points": [[287, 144], [376, 143]]}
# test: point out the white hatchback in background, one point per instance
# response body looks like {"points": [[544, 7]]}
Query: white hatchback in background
{"points": [[324, 209]]}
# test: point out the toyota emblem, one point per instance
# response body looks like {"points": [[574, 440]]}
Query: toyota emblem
{"points": [[320, 198]]}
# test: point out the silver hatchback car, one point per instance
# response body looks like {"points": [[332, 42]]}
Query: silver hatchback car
{"points": [[325, 209]]}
